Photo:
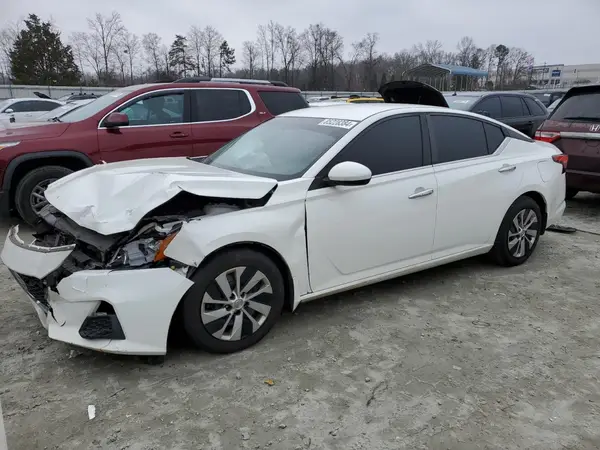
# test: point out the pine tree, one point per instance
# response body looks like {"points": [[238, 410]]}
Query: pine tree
{"points": [[39, 56], [179, 59], [226, 58]]}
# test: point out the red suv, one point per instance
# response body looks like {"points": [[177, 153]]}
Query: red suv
{"points": [[574, 127], [190, 117]]}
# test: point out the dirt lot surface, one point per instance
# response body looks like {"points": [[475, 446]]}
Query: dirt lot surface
{"points": [[467, 356]]}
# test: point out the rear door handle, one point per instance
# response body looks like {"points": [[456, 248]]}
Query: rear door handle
{"points": [[506, 168], [421, 192], [178, 134]]}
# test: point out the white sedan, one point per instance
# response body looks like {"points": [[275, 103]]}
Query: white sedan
{"points": [[25, 109], [312, 202]]}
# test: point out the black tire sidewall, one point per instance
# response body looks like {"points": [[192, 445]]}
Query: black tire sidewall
{"points": [[26, 185], [503, 254], [205, 274]]}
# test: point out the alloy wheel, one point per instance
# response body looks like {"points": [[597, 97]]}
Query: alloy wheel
{"points": [[236, 303], [37, 199], [523, 233]]}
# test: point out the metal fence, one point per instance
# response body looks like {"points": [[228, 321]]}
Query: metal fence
{"points": [[20, 91]]}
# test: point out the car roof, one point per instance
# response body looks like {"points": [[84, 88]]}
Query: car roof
{"points": [[486, 94], [359, 111], [206, 84]]}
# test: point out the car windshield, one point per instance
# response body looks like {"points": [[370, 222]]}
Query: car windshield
{"points": [[282, 148], [460, 101], [95, 106], [4, 104]]}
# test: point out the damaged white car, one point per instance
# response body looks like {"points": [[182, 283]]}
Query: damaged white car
{"points": [[315, 201]]}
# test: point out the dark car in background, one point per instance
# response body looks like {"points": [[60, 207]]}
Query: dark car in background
{"points": [[574, 127], [548, 96], [521, 111]]}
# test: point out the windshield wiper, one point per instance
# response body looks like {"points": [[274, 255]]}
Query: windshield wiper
{"points": [[56, 119], [583, 118]]}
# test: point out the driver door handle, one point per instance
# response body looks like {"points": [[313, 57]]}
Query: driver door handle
{"points": [[420, 192], [178, 134], [506, 168]]}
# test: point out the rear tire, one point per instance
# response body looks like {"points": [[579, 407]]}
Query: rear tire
{"points": [[235, 300], [570, 193], [519, 233], [29, 193]]}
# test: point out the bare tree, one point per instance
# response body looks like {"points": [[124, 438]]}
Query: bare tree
{"points": [[131, 45], [289, 47], [152, 43], [89, 50], [267, 39], [466, 48], [106, 30], [371, 59], [196, 40], [8, 35], [211, 41], [349, 65], [519, 60], [250, 56]]}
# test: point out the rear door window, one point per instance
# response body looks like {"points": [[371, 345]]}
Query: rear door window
{"points": [[534, 107], [512, 106], [210, 105], [579, 107], [489, 106], [456, 138], [279, 102]]}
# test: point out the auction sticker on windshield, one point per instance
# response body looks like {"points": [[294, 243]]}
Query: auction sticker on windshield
{"points": [[339, 123]]}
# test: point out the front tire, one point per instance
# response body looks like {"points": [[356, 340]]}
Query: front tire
{"points": [[519, 233], [235, 300], [29, 195]]}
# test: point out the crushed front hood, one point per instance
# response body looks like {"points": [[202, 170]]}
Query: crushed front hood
{"points": [[112, 198]]}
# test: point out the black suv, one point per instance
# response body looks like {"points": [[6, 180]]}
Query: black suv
{"points": [[521, 111]]}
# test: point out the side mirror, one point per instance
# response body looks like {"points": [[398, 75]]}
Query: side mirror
{"points": [[483, 113], [9, 111], [349, 173], [116, 119]]}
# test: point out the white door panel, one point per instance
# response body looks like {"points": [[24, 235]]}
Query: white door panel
{"points": [[473, 196], [356, 232]]}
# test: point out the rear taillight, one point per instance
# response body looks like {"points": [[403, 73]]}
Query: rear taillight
{"points": [[561, 159], [547, 136]]}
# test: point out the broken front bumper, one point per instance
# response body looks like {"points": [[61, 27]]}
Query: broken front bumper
{"points": [[119, 311]]}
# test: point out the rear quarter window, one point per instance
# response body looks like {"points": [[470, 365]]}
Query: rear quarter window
{"points": [[584, 107], [279, 102], [535, 108]]}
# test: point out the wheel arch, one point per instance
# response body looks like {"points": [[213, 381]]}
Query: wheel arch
{"points": [[18, 167], [541, 202], [266, 250]]}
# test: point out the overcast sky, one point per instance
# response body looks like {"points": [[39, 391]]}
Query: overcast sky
{"points": [[554, 31]]}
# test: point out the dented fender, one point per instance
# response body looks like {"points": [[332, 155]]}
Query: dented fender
{"points": [[279, 226]]}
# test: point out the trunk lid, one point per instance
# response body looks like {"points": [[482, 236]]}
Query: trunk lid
{"points": [[412, 92]]}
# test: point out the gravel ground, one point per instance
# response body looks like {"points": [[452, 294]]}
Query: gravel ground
{"points": [[466, 356]]}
